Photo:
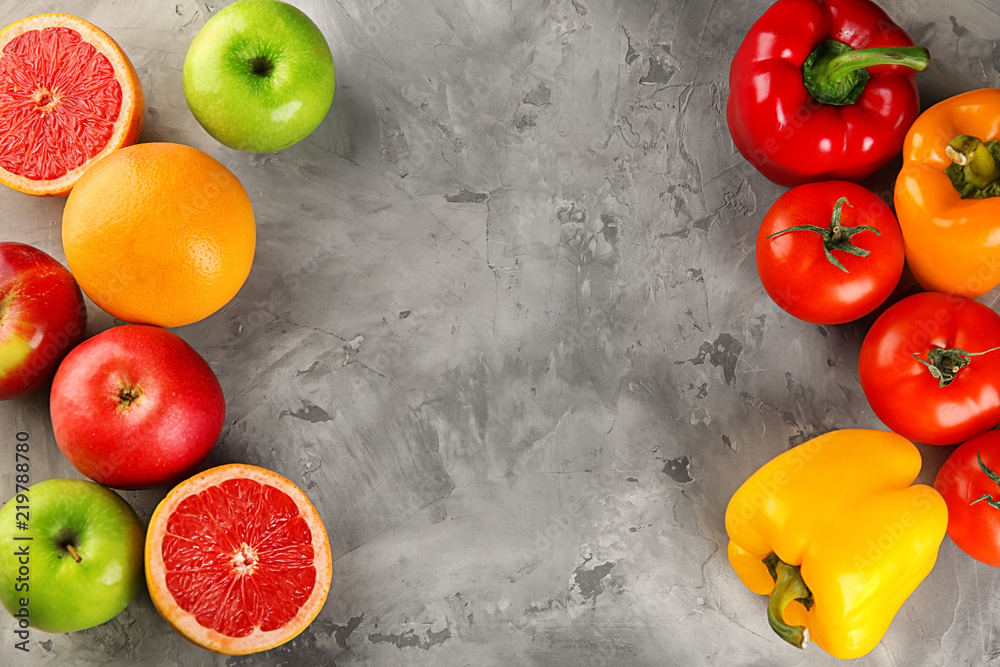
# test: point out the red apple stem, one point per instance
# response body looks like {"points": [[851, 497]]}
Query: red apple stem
{"points": [[73, 552]]}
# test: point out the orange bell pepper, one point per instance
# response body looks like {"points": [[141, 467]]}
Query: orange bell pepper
{"points": [[835, 534], [947, 195]]}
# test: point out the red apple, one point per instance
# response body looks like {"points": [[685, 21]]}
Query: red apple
{"points": [[42, 316], [136, 407]]}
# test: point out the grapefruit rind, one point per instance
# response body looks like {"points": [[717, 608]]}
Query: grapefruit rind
{"points": [[183, 621], [130, 116]]}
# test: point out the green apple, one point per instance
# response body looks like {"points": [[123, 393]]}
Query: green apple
{"points": [[71, 555], [259, 76]]}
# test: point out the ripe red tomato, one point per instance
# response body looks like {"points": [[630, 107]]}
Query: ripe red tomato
{"points": [[972, 496], [828, 261], [930, 369]]}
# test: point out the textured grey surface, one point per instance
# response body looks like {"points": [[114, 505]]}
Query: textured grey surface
{"points": [[504, 326]]}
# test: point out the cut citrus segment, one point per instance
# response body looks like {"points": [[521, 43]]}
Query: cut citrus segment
{"points": [[237, 559], [68, 96]]}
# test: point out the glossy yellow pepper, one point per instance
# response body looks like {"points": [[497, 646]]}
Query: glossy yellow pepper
{"points": [[835, 532]]}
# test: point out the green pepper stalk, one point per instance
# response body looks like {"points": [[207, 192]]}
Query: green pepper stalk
{"points": [[834, 73], [975, 168], [788, 586]]}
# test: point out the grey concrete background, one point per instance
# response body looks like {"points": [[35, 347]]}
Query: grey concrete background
{"points": [[504, 326]]}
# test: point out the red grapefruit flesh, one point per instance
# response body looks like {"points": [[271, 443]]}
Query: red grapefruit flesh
{"points": [[68, 96], [237, 559]]}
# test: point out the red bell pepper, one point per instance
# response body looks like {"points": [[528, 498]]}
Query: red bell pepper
{"points": [[823, 90]]}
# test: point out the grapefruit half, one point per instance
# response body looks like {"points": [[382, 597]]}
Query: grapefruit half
{"points": [[237, 559], [68, 96]]}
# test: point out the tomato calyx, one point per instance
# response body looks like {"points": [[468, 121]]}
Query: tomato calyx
{"points": [[975, 167], [995, 504], [945, 363], [836, 236], [788, 586]]}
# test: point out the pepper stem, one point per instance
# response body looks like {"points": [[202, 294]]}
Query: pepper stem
{"points": [[978, 164], [788, 586], [836, 236], [834, 73], [944, 364]]}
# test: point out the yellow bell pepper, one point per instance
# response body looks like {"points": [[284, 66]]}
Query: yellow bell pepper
{"points": [[835, 532]]}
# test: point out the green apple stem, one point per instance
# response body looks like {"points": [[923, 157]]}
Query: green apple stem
{"points": [[73, 552]]}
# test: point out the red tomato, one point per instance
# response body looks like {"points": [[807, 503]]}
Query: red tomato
{"points": [[972, 496], [930, 370], [824, 267]]}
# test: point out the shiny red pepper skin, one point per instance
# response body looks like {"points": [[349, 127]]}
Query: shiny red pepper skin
{"points": [[786, 134]]}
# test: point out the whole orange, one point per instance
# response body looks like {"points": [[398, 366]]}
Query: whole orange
{"points": [[159, 233]]}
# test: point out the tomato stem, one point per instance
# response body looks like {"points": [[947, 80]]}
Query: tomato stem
{"points": [[944, 364], [996, 480], [836, 236], [788, 586]]}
